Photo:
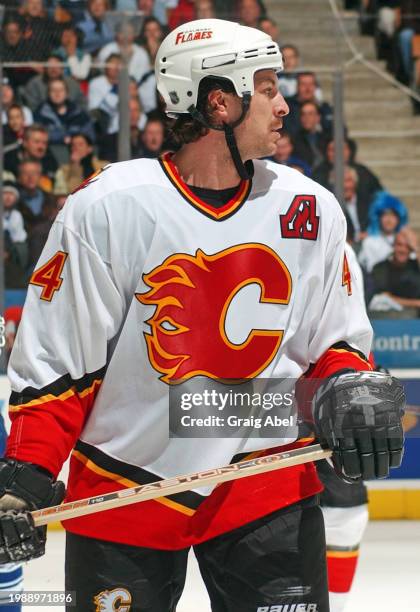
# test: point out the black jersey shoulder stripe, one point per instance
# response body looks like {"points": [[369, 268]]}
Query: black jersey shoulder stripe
{"points": [[57, 387]]}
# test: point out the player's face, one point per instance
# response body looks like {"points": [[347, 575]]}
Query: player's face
{"points": [[259, 133]]}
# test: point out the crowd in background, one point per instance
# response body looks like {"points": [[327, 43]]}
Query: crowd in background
{"points": [[61, 122], [395, 26]]}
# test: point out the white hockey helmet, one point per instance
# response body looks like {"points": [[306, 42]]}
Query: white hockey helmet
{"points": [[211, 47]]}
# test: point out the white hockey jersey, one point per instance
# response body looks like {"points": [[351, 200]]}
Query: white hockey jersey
{"points": [[142, 284]]}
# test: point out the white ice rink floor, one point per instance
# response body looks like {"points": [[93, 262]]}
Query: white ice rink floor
{"points": [[388, 578]]}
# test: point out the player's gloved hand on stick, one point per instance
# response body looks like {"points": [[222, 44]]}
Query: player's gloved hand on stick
{"points": [[358, 415], [24, 487]]}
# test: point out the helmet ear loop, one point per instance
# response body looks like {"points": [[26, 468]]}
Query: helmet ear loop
{"points": [[246, 170]]}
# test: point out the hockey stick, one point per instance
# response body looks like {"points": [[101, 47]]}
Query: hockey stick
{"points": [[162, 488]]}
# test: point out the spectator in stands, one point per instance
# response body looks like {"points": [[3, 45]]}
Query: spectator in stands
{"points": [[387, 20], [151, 36], [250, 12], [160, 9], [39, 232], [61, 116], [35, 203], [40, 32], [137, 124], [95, 27], [410, 25], [67, 11], [367, 182], [138, 59], [387, 216], [9, 99], [310, 141], [83, 162], [15, 49], [270, 27], [71, 52], [36, 90], [13, 222], [205, 9], [398, 278], [152, 138], [14, 130], [34, 147], [184, 11], [103, 104], [14, 274], [288, 78], [147, 7], [285, 154], [307, 92], [356, 208]]}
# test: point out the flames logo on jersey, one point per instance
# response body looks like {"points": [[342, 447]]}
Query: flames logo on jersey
{"points": [[192, 295], [117, 600]]}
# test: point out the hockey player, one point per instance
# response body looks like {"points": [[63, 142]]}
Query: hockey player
{"points": [[205, 264], [344, 504]]}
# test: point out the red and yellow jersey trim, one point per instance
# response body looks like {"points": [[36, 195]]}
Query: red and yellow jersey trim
{"points": [[49, 397], [342, 554], [219, 214], [126, 482]]}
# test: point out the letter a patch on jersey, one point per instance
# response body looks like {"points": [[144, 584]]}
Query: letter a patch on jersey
{"points": [[301, 220]]}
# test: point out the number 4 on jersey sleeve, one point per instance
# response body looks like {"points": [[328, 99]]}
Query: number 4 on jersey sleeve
{"points": [[48, 276]]}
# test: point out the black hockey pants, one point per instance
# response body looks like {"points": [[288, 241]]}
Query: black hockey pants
{"points": [[274, 564]]}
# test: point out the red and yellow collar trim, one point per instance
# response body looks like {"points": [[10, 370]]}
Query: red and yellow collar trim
{"points": [[219, 214]]}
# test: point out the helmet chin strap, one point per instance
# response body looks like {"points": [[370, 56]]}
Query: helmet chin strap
{"points": [[245, 170]]}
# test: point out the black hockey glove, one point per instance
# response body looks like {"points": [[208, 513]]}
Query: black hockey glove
{"points": [[358, 415], [24, 487]]}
